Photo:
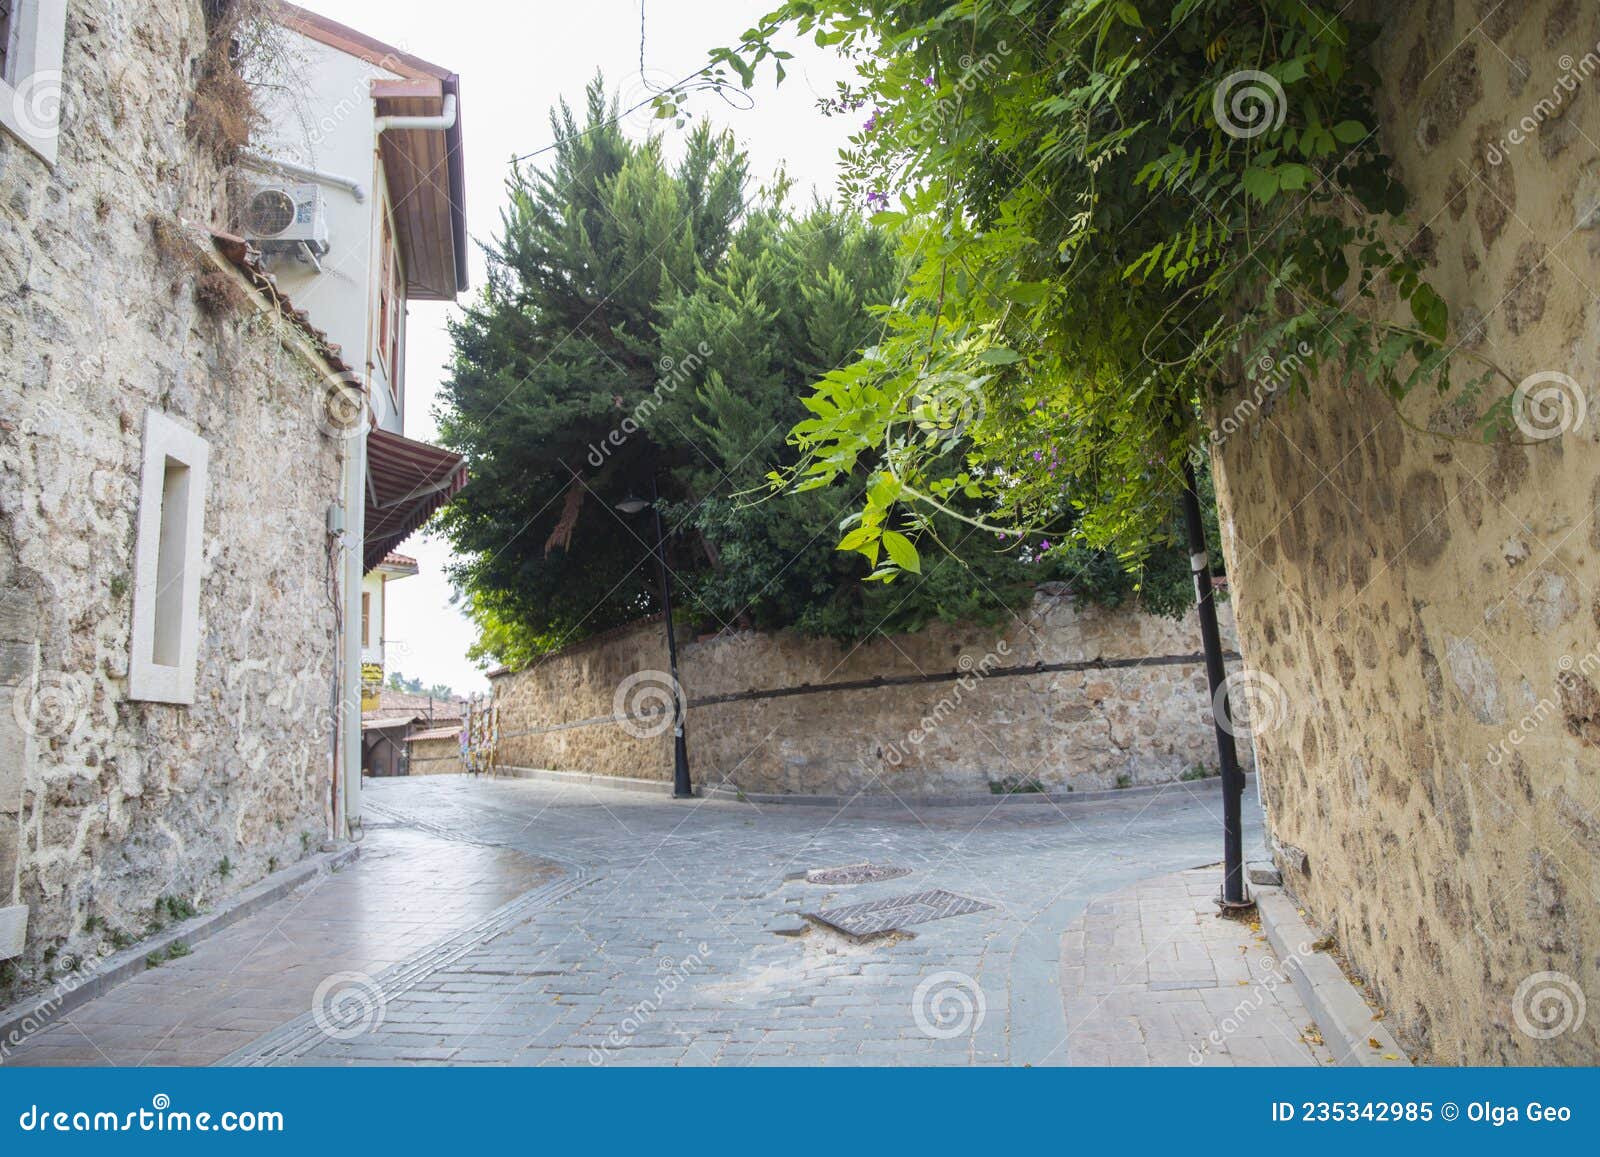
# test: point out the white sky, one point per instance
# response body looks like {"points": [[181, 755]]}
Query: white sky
{"points": [[515, 62]]}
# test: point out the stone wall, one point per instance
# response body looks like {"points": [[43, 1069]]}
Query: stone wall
{"points": [[108, 806], [955, 718], [436, 756], [1428, 603]]}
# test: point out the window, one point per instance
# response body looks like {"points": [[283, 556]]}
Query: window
{"points": [[32, 36], [391, 307], [166, 569], [366, 618]]}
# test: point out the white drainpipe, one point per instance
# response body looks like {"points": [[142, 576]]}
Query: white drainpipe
{"points": [[445, 120], [354, 497], [355, 504], [262, 163]]}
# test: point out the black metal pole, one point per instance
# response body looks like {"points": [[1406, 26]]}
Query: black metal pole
{"points": [[682, 788], [1233, 893]]}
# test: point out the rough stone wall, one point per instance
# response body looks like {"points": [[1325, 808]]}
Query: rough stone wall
{"points": [[1430, 604], [105, 312], [1098, 728], [436, 757]]}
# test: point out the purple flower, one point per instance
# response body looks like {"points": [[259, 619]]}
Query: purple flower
{"points": [[928, 80], [881, 200], [871, 122], [1045, 545]]}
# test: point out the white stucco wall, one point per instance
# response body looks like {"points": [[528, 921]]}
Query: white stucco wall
{"points": [[320, 115], [372, 589]]}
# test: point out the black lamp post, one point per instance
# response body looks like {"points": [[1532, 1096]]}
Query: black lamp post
{"points": [[1234, 894], [681, 787]]}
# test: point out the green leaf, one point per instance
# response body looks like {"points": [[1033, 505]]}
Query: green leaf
{"points": [[1262, 184], [1349, 132], [1294, 177], [999, 356], [901, 552]]}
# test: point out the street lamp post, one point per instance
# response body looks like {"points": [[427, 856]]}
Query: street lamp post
{"points": [[1234, 894], [682, 788]]}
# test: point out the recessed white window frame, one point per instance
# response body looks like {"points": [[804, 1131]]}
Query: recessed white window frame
{"points": [[31, 90], [167, 562]]}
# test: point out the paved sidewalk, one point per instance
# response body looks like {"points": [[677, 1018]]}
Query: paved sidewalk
{"points": [[1153, 976], [516, 922], [406, 890]]}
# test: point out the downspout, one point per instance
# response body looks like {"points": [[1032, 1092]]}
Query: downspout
{"points": [[355, 499], [348, 821], [445, 120], [348, 782]]}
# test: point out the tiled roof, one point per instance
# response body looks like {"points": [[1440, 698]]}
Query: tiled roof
{"points": [[435, 733], [403, 704], [247, 259]]}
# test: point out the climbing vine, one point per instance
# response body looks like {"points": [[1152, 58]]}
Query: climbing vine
{"points": [[1118, 213]]}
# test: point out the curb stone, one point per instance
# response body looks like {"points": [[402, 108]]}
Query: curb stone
{"points": [[130, 962], [1344, 1017], [973, 799], [858, 800], [586, 779]]}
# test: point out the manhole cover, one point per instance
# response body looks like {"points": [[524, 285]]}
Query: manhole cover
{"points": [[876, 917], [855, 874]]}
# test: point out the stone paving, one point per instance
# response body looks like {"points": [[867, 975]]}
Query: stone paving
{"points": [[517, 922], [1151, 976], [406, 890]]}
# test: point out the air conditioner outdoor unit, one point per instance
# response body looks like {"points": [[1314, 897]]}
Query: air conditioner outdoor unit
{"points": [[284, 216]]}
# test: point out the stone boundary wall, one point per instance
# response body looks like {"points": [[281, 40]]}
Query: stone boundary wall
{"points": [[436, 757], [1120, 700], [1430, 605]]}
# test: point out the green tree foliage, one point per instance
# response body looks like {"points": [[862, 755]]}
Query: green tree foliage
{"points": [[1116, 213], [655, 322]]}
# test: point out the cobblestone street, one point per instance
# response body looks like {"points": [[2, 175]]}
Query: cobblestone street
{"points": [[517, 922]]}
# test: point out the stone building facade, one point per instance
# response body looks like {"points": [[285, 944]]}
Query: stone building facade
{"points": [[1059, 698], [118, 316], [1429, 604]]}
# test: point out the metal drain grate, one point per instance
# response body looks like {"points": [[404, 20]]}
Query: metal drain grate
{"points": [[867, 873], [877, 917]]}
